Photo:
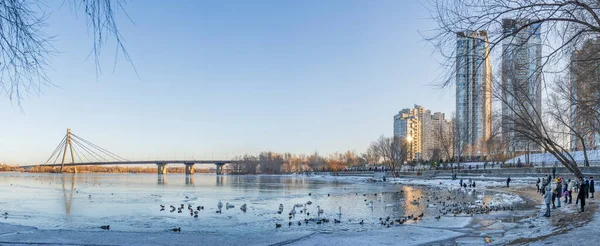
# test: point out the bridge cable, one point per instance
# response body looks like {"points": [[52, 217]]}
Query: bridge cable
{"points": [[57, 148], [79, 150], [112, 155], [77, 154], [100, 149], [91, 152], [59, 152]]}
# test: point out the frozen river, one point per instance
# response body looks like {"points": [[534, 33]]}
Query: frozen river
{"points": [[131, 203]]}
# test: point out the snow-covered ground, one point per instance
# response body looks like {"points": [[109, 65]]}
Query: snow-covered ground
{"points": [[548, 159]]}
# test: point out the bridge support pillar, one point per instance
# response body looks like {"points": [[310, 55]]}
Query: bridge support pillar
{"points": [[162, 168], [220, 168], [189, 168]]}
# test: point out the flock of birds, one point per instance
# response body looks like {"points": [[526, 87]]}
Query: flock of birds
{"points": [[439, 201], [195, 210]]}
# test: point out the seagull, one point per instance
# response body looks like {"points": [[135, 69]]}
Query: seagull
{"points": [[220, 205], [228, 206]]}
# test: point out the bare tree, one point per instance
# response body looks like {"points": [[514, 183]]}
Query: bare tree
{"points": [[393, 151], [565, 25], [316, 162], [371, 156], [569, 121], [495, 145], [445, 135], [26, 50], [399, 153]]}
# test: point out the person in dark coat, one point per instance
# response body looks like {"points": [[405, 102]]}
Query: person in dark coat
{"points": [[587, 188], [554, 172], [559, 191], [592, 188], [508, 182], [537, 185], [581, 194]]}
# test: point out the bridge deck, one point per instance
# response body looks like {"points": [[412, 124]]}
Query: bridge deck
{"points": [[139, 163]]}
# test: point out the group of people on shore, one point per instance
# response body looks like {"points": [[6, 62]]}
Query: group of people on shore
{"points": [[555, 188]]}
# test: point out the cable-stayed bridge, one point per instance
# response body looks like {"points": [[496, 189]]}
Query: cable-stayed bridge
{"points": [[75, 151]]}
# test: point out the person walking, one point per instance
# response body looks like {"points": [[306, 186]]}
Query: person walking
{"points": [[553, 193], [581, 195], [565, 191], [587, 188], [547, 199], [558, 191], [570, 190], [592, 188], [508, 182], [537, 185]]}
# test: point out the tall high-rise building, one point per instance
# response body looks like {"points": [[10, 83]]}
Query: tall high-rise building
{"points": [[473, 93], [521, 82], [585, 94]]}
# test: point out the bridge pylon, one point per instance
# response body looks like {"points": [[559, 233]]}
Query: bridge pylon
{"points": [[69, 145]]}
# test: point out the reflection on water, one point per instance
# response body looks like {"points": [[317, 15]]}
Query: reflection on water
{"points": [[130, 202], [68, 194], [162, 179], [189, 180]]}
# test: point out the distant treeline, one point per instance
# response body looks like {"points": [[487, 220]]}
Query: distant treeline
{"points": [[7, 168], [98, 169]]}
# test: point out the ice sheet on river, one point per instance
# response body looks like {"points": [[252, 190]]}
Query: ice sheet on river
{"points": [[404, 235]]}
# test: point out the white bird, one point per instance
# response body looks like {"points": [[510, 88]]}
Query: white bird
{"points": [[220, 205], [319, 210], [228, 206], [293, 211], [370, 204]]}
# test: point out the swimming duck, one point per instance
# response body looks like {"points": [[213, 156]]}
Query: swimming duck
{"points": [[228, 206], [243, 208], [277, 225], [177, 229], [105, 227]]}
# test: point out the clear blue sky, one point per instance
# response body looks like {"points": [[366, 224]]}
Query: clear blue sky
{"points": [[224, 78]]}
